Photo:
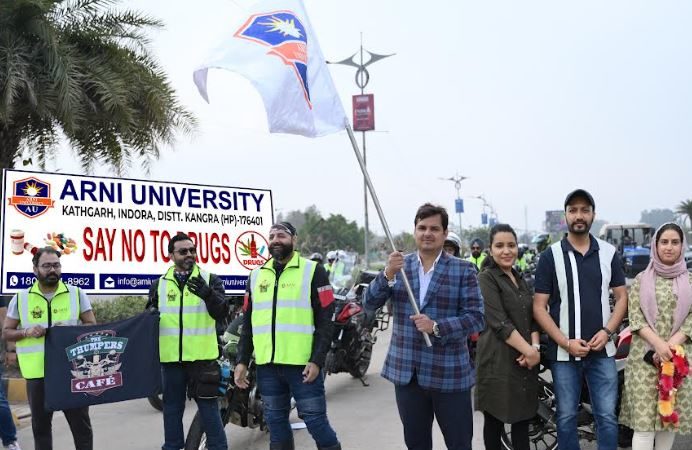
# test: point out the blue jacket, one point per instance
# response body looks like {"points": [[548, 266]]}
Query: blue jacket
{"points": [[454, 301]]}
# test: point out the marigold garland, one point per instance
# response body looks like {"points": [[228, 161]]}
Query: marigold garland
{"points": [[671, 375]]}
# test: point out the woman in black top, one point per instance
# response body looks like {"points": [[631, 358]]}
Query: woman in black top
{"points": [[508, 348]]}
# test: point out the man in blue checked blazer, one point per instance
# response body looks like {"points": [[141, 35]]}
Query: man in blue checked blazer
{"points": [[431, 382]]}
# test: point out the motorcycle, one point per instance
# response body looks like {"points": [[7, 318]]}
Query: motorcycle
{"points": [[355, 330], [241, 407], [543, 427]]}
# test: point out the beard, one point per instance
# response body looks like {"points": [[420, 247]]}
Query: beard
{"points": [[581, 227], [280, 251], [476, 254], [49, 280]]}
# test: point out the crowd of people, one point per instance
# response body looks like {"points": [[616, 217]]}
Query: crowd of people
{"points": [[287, 326], [570, 304]]}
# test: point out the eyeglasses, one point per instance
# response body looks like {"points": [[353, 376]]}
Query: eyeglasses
{"points": [[48, 266], [185, 251]]}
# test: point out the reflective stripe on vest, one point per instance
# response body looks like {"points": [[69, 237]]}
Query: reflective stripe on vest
{"points": [[286, 334], [33, 310], [605, 255], [194, 338]]}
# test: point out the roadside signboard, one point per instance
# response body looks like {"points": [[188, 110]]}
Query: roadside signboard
{"points": [[364, 112], [113, 233], [555, 221]]}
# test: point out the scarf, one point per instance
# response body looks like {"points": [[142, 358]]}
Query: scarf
{"points": [[681, 286]]}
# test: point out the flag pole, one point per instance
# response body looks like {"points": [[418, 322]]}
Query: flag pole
{"points": [[371, 188]]}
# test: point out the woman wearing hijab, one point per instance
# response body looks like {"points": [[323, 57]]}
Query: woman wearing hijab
{"points": [[659, 315]]}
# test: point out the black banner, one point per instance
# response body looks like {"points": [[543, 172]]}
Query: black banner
{"points": [[107, 363]]}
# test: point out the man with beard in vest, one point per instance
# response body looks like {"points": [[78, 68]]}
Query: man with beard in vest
{"points": [[190, 301], [48, 303], [288, 307]]}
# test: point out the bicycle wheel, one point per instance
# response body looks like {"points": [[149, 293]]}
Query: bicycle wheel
{"points": [[542, 428]]}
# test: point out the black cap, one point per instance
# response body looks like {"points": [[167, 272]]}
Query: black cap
{"points": [[286, 227], [580, 193]]}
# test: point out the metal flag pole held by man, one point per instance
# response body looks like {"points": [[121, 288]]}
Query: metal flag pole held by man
{"points": [[274, 47]]}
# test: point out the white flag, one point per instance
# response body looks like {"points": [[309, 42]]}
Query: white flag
{"points": [[274, 47]]}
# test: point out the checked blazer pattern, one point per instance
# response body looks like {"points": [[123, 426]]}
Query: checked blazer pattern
{"points": [[454, 301]]}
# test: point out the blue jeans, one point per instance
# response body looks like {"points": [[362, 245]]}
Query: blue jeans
{"points": [[8, 432], [602, 381], [277, 382], [174, 394]]}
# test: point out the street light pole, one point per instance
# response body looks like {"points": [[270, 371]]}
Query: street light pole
{"points": [[362, 79], [459, 203]]}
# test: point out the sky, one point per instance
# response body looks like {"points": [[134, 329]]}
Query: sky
{"points": [[529, 100]]}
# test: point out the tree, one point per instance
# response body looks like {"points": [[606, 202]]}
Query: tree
{"points": [[685, 211], [657, 217], [82, 70], [317, 234]]}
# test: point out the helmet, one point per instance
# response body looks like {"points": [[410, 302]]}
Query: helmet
{"points": [[331, 255], [341, 254], [542, 242], [317, 257], [453, 238]]}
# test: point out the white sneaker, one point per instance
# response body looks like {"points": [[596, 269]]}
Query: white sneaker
{"points": [[13, 446]]}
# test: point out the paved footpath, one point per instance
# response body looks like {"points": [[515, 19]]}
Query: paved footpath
{"points": [[365, 418]]}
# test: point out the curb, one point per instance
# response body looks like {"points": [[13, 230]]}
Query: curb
{"points": [[15, 389], [16, 395]]}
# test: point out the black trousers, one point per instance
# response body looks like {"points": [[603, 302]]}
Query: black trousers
{"points": [[492, 429], [42, 420], [418, 407]]}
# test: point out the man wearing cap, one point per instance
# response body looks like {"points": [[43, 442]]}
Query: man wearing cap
{"points": [[477, 256], [572, 305], [288, 309]]}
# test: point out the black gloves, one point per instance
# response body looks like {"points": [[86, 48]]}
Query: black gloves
{"points": [[199, 287]]}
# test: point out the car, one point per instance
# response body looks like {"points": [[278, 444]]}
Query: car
{"points": [[633, 241]]}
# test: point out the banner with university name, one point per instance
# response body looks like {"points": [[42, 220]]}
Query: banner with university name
{"points": [[107, 363], [113, 233]]}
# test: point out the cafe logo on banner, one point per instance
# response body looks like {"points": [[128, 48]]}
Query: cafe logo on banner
{"points": [[95, 360], [31, 197]]}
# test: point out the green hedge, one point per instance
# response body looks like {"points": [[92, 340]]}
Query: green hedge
{"points": [[118, 308]]}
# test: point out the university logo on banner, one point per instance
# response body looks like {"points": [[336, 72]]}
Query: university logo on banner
{"points": [[95, 360], [31, 197], [286, 37]]}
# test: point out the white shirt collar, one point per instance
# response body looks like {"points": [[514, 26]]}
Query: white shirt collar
{"points": [[434, 263]]}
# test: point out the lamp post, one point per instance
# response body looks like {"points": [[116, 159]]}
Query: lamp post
{"points": [[459, 204], [362, 79], [486, 204]]}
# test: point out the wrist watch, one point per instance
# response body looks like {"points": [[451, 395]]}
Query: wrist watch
{"points": [[436, 329]]}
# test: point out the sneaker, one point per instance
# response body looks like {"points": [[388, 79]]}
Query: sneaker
{"points": [[13, 446]]}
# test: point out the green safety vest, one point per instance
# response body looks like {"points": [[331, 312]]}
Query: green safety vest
{"points": [[477, 261], [35, 309], [282, 317], [522, 263], [186, 330]]}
